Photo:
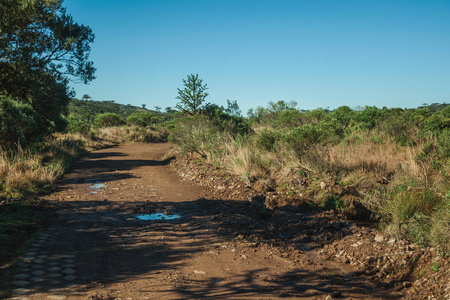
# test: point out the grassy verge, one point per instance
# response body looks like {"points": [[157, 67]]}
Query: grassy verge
{"points": [[395, 169]]}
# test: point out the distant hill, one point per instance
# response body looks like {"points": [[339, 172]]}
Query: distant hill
{"points": [[89, 109]]}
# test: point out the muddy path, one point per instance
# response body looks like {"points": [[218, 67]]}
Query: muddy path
{"points": [[97, 248]]}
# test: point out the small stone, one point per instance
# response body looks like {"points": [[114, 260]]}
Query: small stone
{"points": [[21, 283], [379, 238], [323, 185], [21, 276], [69, 271], [406, 284], [37, 273], [19, 298], [336, 294], [37, 266], [391, 241], [199, 272], [70, 278]]}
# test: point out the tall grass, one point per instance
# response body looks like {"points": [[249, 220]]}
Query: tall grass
{"points": [[399, 172]]}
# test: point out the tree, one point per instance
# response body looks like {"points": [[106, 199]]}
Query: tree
{"points": [[192, 96], [143, 106], [86, 97], [233, 109], [41, 50]]}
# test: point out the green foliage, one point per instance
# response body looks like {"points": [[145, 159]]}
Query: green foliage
{"points": [[269, 139], [192, 97], [19, 123], [435, 266], [142, 119], [40, 35], [303, 138], [368, 117], [438, 121], [225, 122], [108, 120], [41, 49], [398, 124], [76, 125], [89, 109], [343, 115]]}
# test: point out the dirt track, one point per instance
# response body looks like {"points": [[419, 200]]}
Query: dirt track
{"points": [[199, 256]]}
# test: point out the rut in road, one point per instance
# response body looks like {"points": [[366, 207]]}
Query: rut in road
{"points": [[97, 249]]}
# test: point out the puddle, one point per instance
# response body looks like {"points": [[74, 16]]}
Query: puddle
{"points": [[157, 216], [96, 187]]}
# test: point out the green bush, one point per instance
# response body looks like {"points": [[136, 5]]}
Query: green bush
{"points": [[225, 122], [75, 125], [143, 119], [303, 138], [438, 121], [269, 139], [368, 117], [20, 123], [398, 125], [108, 120]]}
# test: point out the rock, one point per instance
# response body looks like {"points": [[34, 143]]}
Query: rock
{"points": [[323, 185], [406, 284], [391, 241], [199, 272], [336, 294], [379, 238]]}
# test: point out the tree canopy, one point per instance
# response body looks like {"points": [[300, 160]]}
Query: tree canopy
{"points": [[41, 49]]}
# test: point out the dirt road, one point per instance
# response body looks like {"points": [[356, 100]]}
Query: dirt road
{"points": [[97, 248]]}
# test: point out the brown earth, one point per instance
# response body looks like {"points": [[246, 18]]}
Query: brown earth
{"points": [[222, 247]]}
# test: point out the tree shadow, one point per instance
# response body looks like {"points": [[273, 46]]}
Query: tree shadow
{"points": [[112, 246]]}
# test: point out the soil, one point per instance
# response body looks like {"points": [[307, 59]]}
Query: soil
{"points": [[223, 246]]}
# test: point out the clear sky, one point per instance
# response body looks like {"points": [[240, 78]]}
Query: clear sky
{"points": [[318, 53]]}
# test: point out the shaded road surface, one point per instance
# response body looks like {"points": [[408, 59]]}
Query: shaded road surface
{"points": [[98, 249]]}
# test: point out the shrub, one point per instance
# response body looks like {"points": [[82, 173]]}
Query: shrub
{"points": [[301, 139], [20, 123], [368, 117], [269, 139], [75, 125], [142, 119], [108, 120]]}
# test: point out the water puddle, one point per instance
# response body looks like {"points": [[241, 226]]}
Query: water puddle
{"points": [[96, 187], [157, 216]]}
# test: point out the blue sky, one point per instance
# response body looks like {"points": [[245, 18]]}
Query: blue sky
{"points": [[317, 53]]}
